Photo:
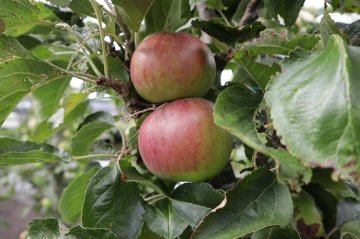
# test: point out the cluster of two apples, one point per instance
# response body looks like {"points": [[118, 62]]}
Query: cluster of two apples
{"points": [[179, 141]]}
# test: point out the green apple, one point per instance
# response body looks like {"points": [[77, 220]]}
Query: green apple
{"points": [[179, 141]]}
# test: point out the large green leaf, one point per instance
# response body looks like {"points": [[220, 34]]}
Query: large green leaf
{"points": [[95, 124], [192, 201], [163, 220], [72, 198], [164, 15], [287, 9], [44, 228], [13, 152], [110, 203], [256, 202], [234, 111], [317, 110], [133, 11], [18, 17], [79, 232]]}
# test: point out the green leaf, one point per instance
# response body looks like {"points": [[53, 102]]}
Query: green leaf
{"points": [[46, 98], [229, 35], [273, 41], [256, 202], [163, 220], [192, 201], [340, 188], [301, 98], [260, 73], [52, 52], [110, 203], [18, 17], [350, 230], [18, 77], [328, 28], [73, 109], [287, 9], [347, 210], [118, 70], [72, 198], [44, 228], [133, 11], [95, 124], [146, 233], [60, 3], [13, 152], [83, 7], [239, 12], [214, 4], [306, 210], [234, 111], [128, 167], [352, 32], [79, 232], [276, 233], [164, 15], [346, 6], [11, 48]]}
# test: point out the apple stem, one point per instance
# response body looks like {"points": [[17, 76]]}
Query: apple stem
{"points": [[128, 117]]}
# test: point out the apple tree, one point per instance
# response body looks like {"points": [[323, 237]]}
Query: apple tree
{"points": [[177, 149]]}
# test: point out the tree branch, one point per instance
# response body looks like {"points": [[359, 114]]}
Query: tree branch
{"points": [[251, 13]]}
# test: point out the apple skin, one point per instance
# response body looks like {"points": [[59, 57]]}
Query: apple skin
{"points": [[179, 141], [168, 66]]}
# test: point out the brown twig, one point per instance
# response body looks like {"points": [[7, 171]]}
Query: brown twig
{"points": [[128, 117], [120, 87], [251, 13]]}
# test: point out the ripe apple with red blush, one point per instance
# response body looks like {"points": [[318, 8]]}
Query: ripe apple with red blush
{"points": [[168, 66], [179, 141]]}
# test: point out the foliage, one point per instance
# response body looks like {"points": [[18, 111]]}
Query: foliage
{"points": [[292, 105]]}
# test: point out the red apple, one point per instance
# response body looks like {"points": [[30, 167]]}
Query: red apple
{"points": [[168, 66], [179, 141]]}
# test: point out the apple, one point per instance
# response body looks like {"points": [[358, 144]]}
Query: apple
{"points": [[179, 141], [168, 66]]}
